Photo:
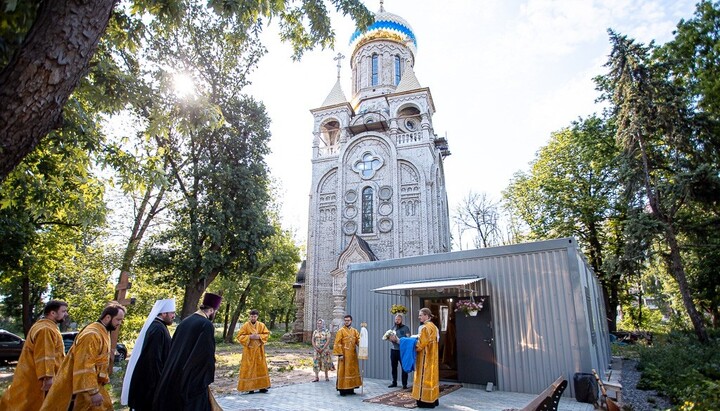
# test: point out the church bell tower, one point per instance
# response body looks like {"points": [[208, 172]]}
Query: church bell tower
{"points": [[378, 186]]}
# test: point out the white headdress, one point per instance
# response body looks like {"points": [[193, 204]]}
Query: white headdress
{"points": [[161, 306]]}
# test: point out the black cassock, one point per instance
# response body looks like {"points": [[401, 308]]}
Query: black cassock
{"points": [[149, 366], [189, 369]]}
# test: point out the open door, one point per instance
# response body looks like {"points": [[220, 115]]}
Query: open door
{"points": [[475, 347]]}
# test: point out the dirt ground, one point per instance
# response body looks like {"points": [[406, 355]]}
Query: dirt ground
{"points": [[288, 363]]}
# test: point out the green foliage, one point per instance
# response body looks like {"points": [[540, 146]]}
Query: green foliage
{"points": [[50, 207], [678, 366], [571, 185], [84, 282], [17, 17], [146, 289], [304, 25], [649, 320], [267, 288], [571, 190], [704, 395]]}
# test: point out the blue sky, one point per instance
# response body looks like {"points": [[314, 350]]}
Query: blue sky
{"points": [[503, 74]]}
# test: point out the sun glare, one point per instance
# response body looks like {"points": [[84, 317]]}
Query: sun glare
{"points": [[184, 85]]}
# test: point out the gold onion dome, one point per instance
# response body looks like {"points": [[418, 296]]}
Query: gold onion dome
{"points": [[387, 26]]}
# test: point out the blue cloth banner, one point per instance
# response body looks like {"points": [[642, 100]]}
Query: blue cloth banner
{"points": [[407, 353]]}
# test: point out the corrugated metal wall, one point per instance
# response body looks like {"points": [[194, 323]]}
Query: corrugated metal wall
{"points": [[547, 308]]}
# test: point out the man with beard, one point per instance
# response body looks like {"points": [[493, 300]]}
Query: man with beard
{"points": [[401, 331], [347, 340], [80, 382], [253, 369], [426, 387], [190, 367], [40, 359], [146, 364]]}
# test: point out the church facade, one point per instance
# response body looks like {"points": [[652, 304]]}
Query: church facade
{"points": [[378, 185]]}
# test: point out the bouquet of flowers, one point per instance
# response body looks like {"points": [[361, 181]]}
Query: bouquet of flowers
{"points": [[387, 334], [398, 309], [465, 306]]}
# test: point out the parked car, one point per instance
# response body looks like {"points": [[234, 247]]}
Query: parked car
{"points": [[11, 346], [69, 337]]}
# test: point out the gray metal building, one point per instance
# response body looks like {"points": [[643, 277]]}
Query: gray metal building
{"points": [[543, 312]]}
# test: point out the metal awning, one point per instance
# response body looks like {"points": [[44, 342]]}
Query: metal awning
{"points": [[439, 285]]}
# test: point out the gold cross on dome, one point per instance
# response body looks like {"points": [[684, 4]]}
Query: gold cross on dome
{"points": [[338, 58]]}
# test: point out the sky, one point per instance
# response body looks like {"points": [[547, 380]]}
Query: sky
{"points": [[503, 74]]}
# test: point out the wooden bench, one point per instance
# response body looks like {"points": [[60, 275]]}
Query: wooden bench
{"points": [[548, 399], [615, 387]]}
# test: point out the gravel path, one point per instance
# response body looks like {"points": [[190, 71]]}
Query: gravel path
{"points": [[639, 400]]}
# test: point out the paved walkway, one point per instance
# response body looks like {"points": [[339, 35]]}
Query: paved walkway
{"points": [[321, 396]]}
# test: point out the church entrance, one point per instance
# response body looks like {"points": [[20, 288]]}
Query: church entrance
{"points": [[466, 351]]}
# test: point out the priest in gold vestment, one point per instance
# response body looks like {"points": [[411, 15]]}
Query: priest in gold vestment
{"points": [[253, 368], [39, 361], [347, 340], [426, 385], [80, 383]]}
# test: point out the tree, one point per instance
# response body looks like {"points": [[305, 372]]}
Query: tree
{"points": [[220, 222], [44, 71], [46, 206], [656, 129], [59, 46], [214, 142], [268, 287], [479, 213], [692, 60], [572, 190]]}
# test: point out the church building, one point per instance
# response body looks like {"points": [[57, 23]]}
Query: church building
{"points": [[378, 237], [378, 185]]}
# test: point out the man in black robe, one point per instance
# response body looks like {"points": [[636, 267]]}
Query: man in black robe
{"points": [[151, 351], [190, 367]]}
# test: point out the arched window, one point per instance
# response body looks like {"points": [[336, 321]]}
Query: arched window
{"points": [[398, 70], [374, 69], [367, 210], [330, 133], [409, 119]]}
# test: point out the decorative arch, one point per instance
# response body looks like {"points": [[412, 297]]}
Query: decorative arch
{"points": [[328, 182], [409, 174], [357, 251], [407, 108]]}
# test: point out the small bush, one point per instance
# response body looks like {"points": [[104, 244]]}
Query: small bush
{"points": [[681, 368], [703, 396]]}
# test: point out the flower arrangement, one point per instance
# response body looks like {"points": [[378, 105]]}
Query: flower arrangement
{"points": [[387, 334], [465, 306], [398, 309]]}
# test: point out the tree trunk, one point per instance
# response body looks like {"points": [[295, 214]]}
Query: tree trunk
{"points": [[26, 320], [226, 319], [678, 272], [236, 313], [193, 292], [638, 320], [612, 304], [42, 74], [609, 285]]}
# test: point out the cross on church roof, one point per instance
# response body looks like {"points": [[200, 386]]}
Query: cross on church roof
{"points": [[339, 57]]}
